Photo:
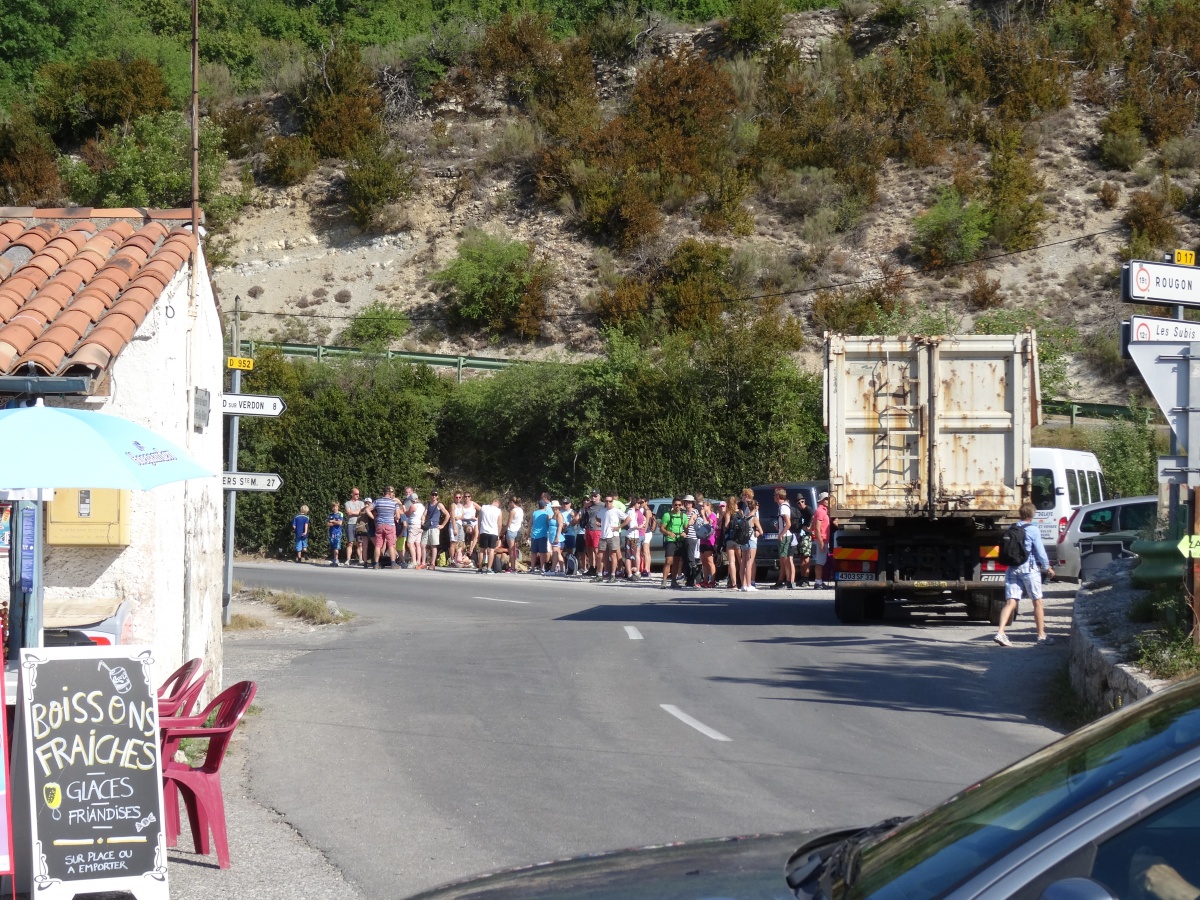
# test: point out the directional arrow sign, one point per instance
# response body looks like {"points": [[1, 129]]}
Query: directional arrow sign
{"points": [[251, 481], [251, 405], [1190, 545]]}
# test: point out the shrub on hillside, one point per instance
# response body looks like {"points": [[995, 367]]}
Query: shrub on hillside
{"points": [[1122, 150], [613, 35], [338, 102], [150, 165], [876, 307], [72, 101], [518, 49], [242, 129], [1013, 192], [695, 285], [375, 327], [496, 284], [1027, 76], [28, 162], [1151, 215], [377, 175], [754, 23], [951, 231], [290, 159]]}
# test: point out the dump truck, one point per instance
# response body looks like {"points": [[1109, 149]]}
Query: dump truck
{"points": [[929, 443]]}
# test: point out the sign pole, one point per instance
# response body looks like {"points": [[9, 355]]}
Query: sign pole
{"points": [[1193, 565], [231, 496]]}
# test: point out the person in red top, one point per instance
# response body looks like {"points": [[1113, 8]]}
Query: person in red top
{"points": [[820, 536]]}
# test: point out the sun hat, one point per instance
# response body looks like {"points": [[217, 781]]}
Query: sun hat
{"points": [[689, 497], [824, 495], [554, 504], [368, 500]]}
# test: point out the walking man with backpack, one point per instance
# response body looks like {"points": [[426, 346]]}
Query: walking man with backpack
{"points": [[1022, 552]]}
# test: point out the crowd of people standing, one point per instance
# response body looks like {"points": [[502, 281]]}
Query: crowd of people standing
{"points": [[604, 538]]}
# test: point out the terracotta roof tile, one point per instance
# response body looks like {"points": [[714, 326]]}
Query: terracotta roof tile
{"points": [[76, 284]]}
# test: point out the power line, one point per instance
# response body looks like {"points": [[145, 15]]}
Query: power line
{"points": [[720, 301]]}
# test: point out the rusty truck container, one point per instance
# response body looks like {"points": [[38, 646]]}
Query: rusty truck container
{"points": [[930, 427]]}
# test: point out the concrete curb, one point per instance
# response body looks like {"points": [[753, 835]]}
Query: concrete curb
{"points": [[1098, 670]]}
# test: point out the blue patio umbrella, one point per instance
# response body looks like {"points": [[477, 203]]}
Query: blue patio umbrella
{"points": [[54, 447]]}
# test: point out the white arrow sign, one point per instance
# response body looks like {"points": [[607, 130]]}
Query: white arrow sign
{"points": [[251, 481], [1151, 330], [1148, 282], [251, 405]]}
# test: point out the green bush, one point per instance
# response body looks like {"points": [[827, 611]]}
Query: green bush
{"points": [[1128, 453], [877, 307], [497, 284], [754, 23], [74, 101], [1122, 150], [951, 231], [1013, 193], [290, 159], [150, 165], [1151, 216], [376, 176], [375, 327], [242, 129], [612, 35]]}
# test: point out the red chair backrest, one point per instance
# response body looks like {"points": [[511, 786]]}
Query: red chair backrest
{"points": [[229, 705], [181, 704], [178, 680]]}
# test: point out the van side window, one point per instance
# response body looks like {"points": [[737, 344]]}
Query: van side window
{"points": [[1104, 488], [1093, 478], [1072, 487], [1042, 492]]}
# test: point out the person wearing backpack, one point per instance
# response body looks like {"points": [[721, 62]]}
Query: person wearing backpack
{"points": [[734, 524], [1025, 576]]}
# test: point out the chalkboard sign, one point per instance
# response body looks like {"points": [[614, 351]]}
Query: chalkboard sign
{"points": [[92, 778]]}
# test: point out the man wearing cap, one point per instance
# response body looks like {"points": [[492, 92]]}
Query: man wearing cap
{"points": [[820, 533]]}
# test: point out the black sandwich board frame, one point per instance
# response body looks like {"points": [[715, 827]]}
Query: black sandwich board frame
{"points": [[86, 774]]}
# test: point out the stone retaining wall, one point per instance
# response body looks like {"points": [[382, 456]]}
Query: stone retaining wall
{"points": [[1100, 636]]}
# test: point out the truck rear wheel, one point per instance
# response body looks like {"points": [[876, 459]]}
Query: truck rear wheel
{"points": [[847, 606], [996, 606], [979, 605]]}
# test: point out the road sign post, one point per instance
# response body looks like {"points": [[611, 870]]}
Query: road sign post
{"points": [[251, 481], [234, 404]]}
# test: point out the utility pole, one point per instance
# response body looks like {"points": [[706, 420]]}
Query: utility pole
{"points": [[231, 496]]}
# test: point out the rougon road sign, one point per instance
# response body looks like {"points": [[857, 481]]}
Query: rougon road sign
{"points": [[251, 481], [252, 405], [1160, 284]]}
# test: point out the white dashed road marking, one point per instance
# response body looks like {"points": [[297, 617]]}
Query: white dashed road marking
{"points": [[698, 725], [499, 600], [634, 634]]}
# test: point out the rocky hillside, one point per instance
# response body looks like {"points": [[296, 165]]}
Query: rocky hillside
{"points": [[302, 269]]}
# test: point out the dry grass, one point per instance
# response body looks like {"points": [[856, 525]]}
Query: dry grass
{"points": [[308, 608], [244, 622]]}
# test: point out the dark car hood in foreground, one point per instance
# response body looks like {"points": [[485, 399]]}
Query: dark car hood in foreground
{"points": [[736, 868]]}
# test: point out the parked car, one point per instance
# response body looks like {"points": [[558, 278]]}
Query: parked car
{"points": [[767, 560], [1112, 810], [1111, 526]]}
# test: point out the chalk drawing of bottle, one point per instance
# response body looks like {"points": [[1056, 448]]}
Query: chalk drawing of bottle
{"points": [[119, 677], [52, 794]]}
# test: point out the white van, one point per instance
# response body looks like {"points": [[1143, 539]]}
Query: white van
{"points": [[1063, 481]]}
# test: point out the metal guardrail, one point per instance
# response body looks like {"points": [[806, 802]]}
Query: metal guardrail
{"points": [[1091, 410], [438, 360]]}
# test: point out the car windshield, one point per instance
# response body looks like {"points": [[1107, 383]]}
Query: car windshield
{"points": [[936, 851]]}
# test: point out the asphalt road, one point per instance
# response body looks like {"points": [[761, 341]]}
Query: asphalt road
{"points": [[463, 723]]}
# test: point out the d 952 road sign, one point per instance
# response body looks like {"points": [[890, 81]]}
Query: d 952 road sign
{"points": [[251, 481], [245, 363], [251, 405]]}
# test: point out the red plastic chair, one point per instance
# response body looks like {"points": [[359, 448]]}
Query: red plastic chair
{"points": [[183, 701], [201, 786], [178, 680]]}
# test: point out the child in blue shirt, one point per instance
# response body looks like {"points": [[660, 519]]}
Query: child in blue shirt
{"points": [[335, 522], [300, 533]]}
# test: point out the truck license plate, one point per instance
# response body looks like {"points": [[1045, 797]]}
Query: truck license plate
{"points": [[998, 576], [855, 576]]}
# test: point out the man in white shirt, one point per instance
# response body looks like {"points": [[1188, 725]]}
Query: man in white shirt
{"points": [[610, 540], [489, 533]]}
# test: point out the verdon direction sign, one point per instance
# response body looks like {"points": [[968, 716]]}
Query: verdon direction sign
{"points": [[1160, 283], [1151, 330], [251, 405], [251, 481]]}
